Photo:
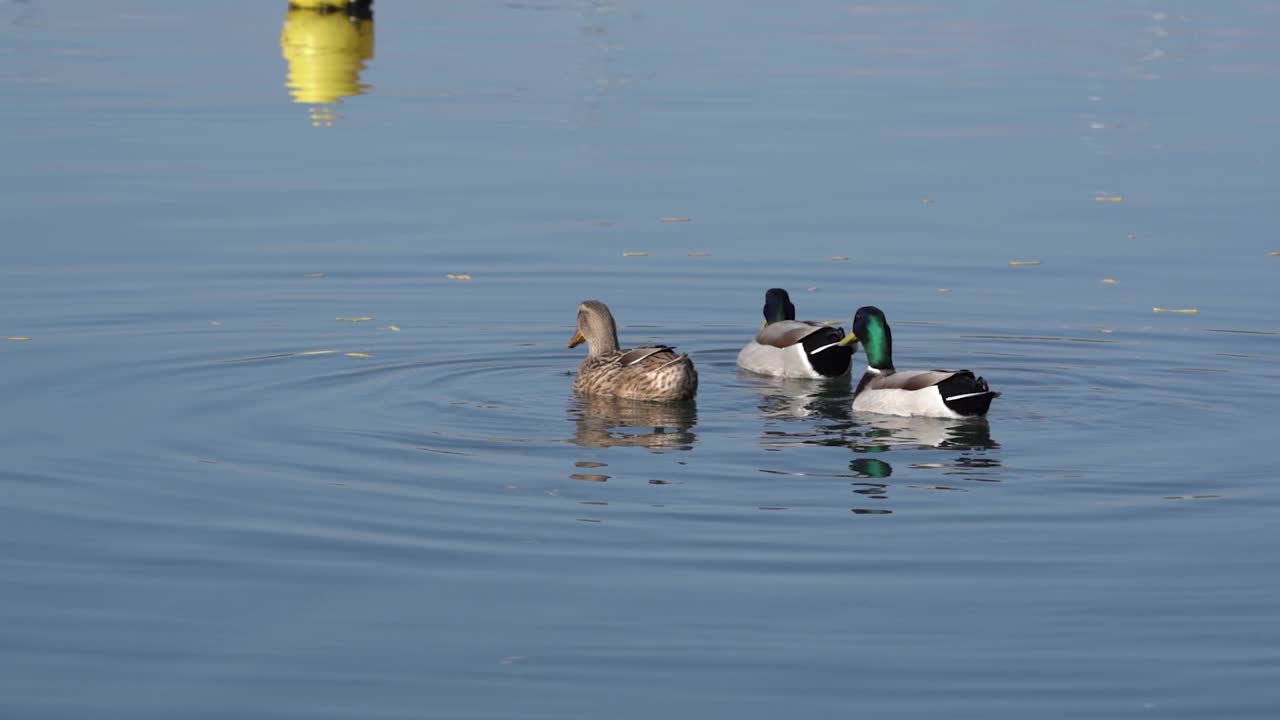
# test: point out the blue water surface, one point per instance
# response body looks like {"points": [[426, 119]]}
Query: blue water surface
{"points": [[286, 407]]}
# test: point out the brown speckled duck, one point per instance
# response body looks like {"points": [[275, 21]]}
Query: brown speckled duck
{"points": [[643, 373]]}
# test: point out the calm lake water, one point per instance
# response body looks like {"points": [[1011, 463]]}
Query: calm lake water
{"points": [[264, 458]]}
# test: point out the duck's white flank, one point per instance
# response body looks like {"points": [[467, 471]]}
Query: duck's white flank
{"points": [[779, 362], [927, 402]]}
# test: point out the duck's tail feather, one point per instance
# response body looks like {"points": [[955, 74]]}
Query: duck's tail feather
{"points": [[966, 394], [827, 357]]}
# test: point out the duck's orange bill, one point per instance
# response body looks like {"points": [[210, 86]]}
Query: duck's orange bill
{"points": [[577, 339]]}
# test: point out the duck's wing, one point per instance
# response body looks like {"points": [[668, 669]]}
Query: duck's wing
{"points": [[654, 373], [636, 356], [786, 333], [912, 379]]}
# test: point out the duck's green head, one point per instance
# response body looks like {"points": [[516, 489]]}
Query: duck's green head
{"points": [[872, 330], [777, 306]]}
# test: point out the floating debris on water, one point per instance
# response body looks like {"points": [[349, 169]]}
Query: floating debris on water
{"points": [[392, 328], [944, 290], [870, 511], [1241, 332], [460, 276], [590, 464], [1274, 253], [1110, 281], [1182, 311], [589, 477], [313, 275], [812, 289], [442, 452], [1191, 497], [1132, 236], [635, 254], [676, 219], [18, 338], [771, 507], [839, 257], [355, 318], [699, 254], [1020, 263], [1109, 198], [926, 201], [363, 356], [301, 353]]}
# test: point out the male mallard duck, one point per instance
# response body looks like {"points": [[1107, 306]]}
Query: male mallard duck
{"points": [[786, 347], [643, 373], [935, 393]]}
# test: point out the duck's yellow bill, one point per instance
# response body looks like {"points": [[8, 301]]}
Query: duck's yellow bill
{"points": [[850, 338], [577, 339]]}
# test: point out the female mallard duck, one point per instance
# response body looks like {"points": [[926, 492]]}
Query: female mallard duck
{"points": [[786, 347], [643, 373], [934, 393]]}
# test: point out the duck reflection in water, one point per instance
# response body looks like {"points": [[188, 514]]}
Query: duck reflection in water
{"points": [[802, 412], [786, 398], [602, 421], [882, 432], [968, 438], [868, 471]]}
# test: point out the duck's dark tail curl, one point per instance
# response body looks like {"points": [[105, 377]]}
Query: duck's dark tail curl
{"points": [[966, 394]]}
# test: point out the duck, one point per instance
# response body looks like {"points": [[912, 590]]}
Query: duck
{"points": [[786, 347], [929, 393], [653, 372]]}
